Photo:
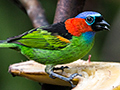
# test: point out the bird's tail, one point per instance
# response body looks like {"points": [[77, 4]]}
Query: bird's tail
{"points": [[3, 43]]}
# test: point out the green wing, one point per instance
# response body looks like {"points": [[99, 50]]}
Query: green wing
{"points": [[41, 39]]}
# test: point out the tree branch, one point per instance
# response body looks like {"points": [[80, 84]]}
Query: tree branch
{"points": [[34, 10], [19, 4], [68, 8]]}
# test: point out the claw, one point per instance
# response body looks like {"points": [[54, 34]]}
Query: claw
{"points": [[60, 68], [71, 77], [74, 75]]}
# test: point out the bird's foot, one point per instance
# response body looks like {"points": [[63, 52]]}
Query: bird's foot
{"points": [[69, 79], [58, 68], [49, 70]]}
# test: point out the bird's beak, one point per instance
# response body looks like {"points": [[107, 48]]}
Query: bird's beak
{"points": [[102, 25]]}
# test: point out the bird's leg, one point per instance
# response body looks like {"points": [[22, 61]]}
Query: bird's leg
{"points": [[49, 70], [60, 68]]}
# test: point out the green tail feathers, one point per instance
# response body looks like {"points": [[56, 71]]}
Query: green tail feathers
{"points": [[3, 44]]}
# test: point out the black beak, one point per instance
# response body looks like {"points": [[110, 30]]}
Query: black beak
{"points": [[102, 25]]}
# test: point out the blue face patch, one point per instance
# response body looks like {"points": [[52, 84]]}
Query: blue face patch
{"points": [[88, 15]]}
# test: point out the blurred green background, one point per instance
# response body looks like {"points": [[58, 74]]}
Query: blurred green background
{"points": [[14, 22]]}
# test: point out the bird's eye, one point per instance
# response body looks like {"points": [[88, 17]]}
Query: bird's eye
{"points": [[90, 20]]}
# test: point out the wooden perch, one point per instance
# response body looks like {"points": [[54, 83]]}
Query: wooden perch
{"points": [[95, 75]]}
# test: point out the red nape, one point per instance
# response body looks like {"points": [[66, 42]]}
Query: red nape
{"points": [[76, 26]]}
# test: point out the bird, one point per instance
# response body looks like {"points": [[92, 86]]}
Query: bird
{"points": [[59, 43]]}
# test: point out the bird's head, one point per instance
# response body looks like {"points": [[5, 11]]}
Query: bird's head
{"points": [[85, 22]]}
